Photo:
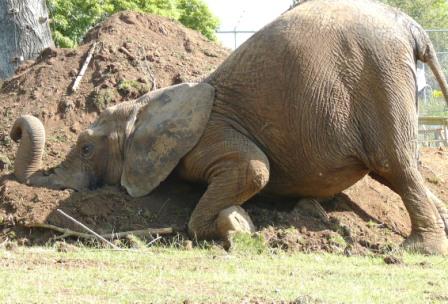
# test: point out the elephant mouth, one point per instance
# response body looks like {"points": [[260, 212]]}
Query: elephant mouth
{"points": [[58, 178], [78, 181], [95, 183]]}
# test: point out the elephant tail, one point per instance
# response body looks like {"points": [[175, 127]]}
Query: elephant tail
{"points": [[426, 53]]}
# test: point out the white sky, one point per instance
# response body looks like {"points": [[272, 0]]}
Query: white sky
{"points": [[245, 15]]}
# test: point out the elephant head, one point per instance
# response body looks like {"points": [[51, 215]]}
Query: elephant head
{"points": [[136, 144]]}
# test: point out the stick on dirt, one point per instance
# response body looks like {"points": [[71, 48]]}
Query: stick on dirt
{"points": [[83, 68], [147, 69], [67, 232], [154, 240], [86, 228], [142, 232], [126, 52]]}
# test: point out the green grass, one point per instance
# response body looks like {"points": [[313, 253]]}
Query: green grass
{"points": [[102, 98], [133, 87], [169, 275]]}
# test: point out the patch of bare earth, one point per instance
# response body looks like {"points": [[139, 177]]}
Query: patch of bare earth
{"points": [[137, 53]]}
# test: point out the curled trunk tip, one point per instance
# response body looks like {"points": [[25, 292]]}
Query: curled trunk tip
{"points": [[30, 131]]}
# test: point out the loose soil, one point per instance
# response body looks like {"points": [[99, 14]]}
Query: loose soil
{"points": [[137, 53]]}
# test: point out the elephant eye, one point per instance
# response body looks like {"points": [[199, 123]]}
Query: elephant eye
{"points": [[86, 150]]}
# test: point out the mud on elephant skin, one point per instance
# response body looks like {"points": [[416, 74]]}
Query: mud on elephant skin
{"points": [[310, 104]]}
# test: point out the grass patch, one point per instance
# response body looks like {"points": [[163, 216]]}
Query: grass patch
{"points": [[58, 138], [245, 243], [434, 180], [100, 99], [168, 275], [132, 88], [338, 241]]}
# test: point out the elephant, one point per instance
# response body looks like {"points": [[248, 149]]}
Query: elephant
{"points": [[309, 105]]}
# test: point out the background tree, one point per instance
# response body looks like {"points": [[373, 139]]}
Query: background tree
{"points": [[71, 19], [24, 33], [431, 14], [196, 15]]}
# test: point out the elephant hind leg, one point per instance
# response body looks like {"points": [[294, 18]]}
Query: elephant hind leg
{"points": [[427, 213], [441, 208], [235, 169]]}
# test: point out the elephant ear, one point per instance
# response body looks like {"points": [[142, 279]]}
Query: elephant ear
{"points": [[166, 127]]}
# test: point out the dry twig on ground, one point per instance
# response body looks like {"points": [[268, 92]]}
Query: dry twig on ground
{"points": [[87, 229], [93, 235], [146, 68], [127, 53], [117, 235], [84, 68]]}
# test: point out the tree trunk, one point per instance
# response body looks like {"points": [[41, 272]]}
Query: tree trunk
{"points": [[24, 33]]}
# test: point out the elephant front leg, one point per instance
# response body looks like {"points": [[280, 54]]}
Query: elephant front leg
{"points": [[218, 211], [235, 169]]}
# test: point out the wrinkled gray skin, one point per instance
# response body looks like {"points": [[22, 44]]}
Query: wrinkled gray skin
{"points": [[305, 108]]}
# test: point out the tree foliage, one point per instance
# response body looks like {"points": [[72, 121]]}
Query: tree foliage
{"points": [[71, 19], [196, 15], [430, 14]]}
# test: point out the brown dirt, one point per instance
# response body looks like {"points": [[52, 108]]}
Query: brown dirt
{"points": [[368, 217], [156, 46]]}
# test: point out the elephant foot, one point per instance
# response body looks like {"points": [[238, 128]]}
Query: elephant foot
{"points": [[233, 219], [434, 244], [441, 208]]}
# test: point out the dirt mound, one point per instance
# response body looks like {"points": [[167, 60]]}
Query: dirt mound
{"points": [[368, 217], [136, 53]]}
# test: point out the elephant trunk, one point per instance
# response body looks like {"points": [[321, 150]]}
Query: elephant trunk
{"points": [[31, 133]]}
